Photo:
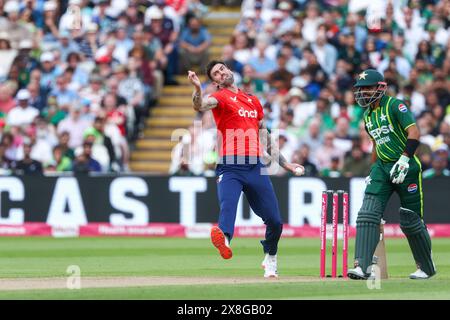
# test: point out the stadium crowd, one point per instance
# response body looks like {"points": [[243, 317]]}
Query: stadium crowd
{"points": [[301, 58], [78, 77]]}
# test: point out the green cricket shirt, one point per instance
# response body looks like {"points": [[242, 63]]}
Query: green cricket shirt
{"points": [[387, 126]]}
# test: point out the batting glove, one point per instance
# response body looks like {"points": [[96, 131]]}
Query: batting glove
{"points": [[400, 170]]}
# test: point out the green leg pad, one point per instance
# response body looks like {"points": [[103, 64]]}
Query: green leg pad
{"points": [[418, 239], [367, 231]]}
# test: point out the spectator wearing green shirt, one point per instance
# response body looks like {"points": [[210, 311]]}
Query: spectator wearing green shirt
{"points": [[60, 162], [333, 170], [63, 143]]}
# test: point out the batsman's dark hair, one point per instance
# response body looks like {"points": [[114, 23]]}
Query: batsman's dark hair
{"points": [[211, 65]]}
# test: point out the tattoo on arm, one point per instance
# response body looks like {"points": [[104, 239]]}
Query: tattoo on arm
{"points": [[197, 99], [200, 105], [270, 145]]}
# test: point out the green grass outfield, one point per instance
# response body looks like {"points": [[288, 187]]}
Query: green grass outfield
{"points": [[22, 258]]}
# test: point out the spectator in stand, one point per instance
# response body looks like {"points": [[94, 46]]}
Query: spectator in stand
{"points": [[311, 22], [84, 163], [194, 46], [295, 99], [43, 137], [288, 21], [23, 114], [63, 144], [80, 77], [163, 28], [195, 8], [7, 54], [231, 62], [180, 164], [7, 101], [148, 72], [286, 149], [326, 54], [64, 95], [5, 162], [27, 165], [241, 47], [348, 52], [12, 142], [16, 30], [313, 138], [301, 156], [132, 89], [99, 151], [89, 42], [100, 16], [122, 39], [94, 93], [66, 44], [169, 9], [59, 163], [439, 164], [262, 65], [293, 64], [98, 131], [333, 171], [325, 153], [356, 163], [353, 25], [280, 79], [75, 126], [248, 25], [38, 99], [49, 71], [401, 64], [343, 141]]}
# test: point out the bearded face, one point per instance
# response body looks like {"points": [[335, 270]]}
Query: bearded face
{"points": [[222, 75]]}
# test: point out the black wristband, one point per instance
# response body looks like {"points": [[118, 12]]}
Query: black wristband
{"points": [[411, 146]]}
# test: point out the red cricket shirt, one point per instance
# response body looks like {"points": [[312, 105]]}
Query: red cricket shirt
{"points": [[237, 117]]}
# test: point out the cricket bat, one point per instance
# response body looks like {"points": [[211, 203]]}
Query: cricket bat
{"points": [[380, 253]]}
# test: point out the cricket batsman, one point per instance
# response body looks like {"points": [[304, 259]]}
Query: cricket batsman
{"points": [[240, 126], [395, 136]]}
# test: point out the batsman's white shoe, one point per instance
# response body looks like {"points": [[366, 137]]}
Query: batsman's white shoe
{"points": [[270, 269], [356, 274], [419, 275], [264, 262]]}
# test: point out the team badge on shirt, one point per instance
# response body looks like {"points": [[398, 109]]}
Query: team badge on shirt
{"points": [[402, 108], [412, 188]]}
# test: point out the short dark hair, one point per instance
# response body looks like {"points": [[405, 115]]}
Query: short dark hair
{"points": [[211, 65]]}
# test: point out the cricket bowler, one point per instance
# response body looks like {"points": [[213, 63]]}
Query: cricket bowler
{"points": [[395, 136], [239, 120]]}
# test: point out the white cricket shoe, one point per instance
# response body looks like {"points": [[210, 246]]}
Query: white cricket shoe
{"points": [[264, 262], [270, 266], [419, 274], [356, 274]]}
